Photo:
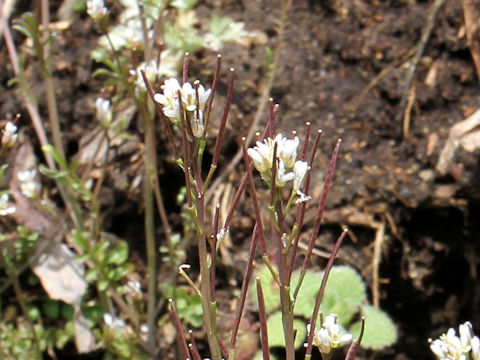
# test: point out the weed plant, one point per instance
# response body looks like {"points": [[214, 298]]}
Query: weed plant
{"points": [[92, 296]]}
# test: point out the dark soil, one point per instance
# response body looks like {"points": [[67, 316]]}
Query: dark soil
{"points": [[343, 67]]}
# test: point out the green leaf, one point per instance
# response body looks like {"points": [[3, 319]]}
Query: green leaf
{"points": [[51, 308], [118, 255], [91, 275], [103, 285], [307, 294], [98, 252], [49, 149], [344, 293], [380, 331], [275, 331], [79, 239], [183, 5]]}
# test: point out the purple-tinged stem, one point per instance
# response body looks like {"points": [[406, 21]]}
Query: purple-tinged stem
{"points": [[355, 345], [245, 283], [193, 347], [186, 61], [318, 300], [306, 140], [253, 193], [223, 348], [272, 111], [178, 326], [223, 123], [161, 115], [301, 209], [214, 89], [321, 205], [263, 321]]}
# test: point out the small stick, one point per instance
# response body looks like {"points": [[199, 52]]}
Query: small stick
{"points": [[427, 31]]}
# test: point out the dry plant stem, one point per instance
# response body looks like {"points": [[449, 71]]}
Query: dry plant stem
{"points": [[245, 283], [318, 300], [178, 327], [377, 253], [427, 31], [263, 321], [13, 276]]}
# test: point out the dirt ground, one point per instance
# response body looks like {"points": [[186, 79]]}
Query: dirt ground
{"points": [[344, 67]]}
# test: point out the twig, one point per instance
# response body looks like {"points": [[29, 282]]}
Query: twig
{"points": [[377, 253], [427, 31]]}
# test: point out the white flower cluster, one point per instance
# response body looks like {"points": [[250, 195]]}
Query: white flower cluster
{"points": [[6, 208], [104, 110], [287, 169], [329, 336], [29, 184], [9, 136], [451, 347], [96, 9], [190, 96]]}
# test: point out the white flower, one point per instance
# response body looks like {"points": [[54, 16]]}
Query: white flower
{"points": [[133, 287], [133, 34], [9, 137], [282, 177], [28, 183], [151, 72], [104, 111], [262, 156], [329, 336], [96, 9], [191, 95], [113, 322], [451, 347], [5, 207], [300, 169]]}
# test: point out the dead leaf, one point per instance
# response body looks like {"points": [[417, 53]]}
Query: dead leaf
{"points": [[64, 279], [456, 133]]}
